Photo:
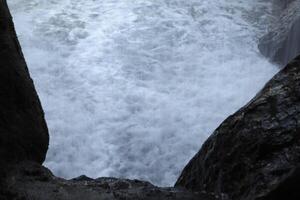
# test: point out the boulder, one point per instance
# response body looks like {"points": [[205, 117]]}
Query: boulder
{"points": [[255, 153], [29, 181], [282, 43], [23, 131]]}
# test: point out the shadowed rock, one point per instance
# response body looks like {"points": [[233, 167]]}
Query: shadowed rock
{"points": [[255, 153], [287, 189], [29, 181], [23, 131]]}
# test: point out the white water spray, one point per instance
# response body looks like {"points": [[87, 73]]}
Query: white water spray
{"points": [[131, 88]]}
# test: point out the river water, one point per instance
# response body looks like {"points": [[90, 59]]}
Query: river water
{"points": [[132, 88]]}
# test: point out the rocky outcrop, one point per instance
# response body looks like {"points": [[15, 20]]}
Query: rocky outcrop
{"points": [[23, 131], [29, 181], [255, 153], [282, 43]]}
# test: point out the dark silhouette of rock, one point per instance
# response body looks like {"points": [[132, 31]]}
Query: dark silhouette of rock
{"points": [[255, 153], [29, 181], [282, 43], [23, 131], [287, 189]]}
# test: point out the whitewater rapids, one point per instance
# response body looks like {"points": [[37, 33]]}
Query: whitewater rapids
{"points": [[132, 88]]}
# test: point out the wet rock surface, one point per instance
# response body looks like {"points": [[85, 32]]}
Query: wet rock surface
{"points": [[255, 153], [29, 181], [23, 131], [282, 43], [287, 189]]}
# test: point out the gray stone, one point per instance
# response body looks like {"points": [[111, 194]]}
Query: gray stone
{"points": [[28, 181], [255, 153]]}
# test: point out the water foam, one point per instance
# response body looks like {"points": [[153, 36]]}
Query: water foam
{"points": [[133, 88]]}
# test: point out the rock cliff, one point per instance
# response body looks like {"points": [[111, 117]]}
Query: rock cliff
{"points": [[23, 131], [255, 153]]}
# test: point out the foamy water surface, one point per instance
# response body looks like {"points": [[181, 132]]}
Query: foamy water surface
{"points": [[132, 88]]}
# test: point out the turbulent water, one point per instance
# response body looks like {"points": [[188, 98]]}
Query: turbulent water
{"points": [[132, 88]]}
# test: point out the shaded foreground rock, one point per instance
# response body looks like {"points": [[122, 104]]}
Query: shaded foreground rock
{"points": [[255, 153], [282, 43], [29, 181], [287, 189], [23, 131]]}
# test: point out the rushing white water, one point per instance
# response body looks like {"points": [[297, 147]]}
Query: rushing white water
{"points": [[132, 88]]}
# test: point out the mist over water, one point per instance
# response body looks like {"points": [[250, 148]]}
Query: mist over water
{"points": [[132, 88]]}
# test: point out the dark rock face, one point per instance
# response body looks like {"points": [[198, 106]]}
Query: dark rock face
{"points": [[23, 131], [287, 189], [282, 43], [255, 153], [29, 181]]}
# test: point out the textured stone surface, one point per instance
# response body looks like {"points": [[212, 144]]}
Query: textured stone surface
{"points": [[287, 189], [23, 131], [256, 150], [253, 155], [282, 43], [29, 181]]}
